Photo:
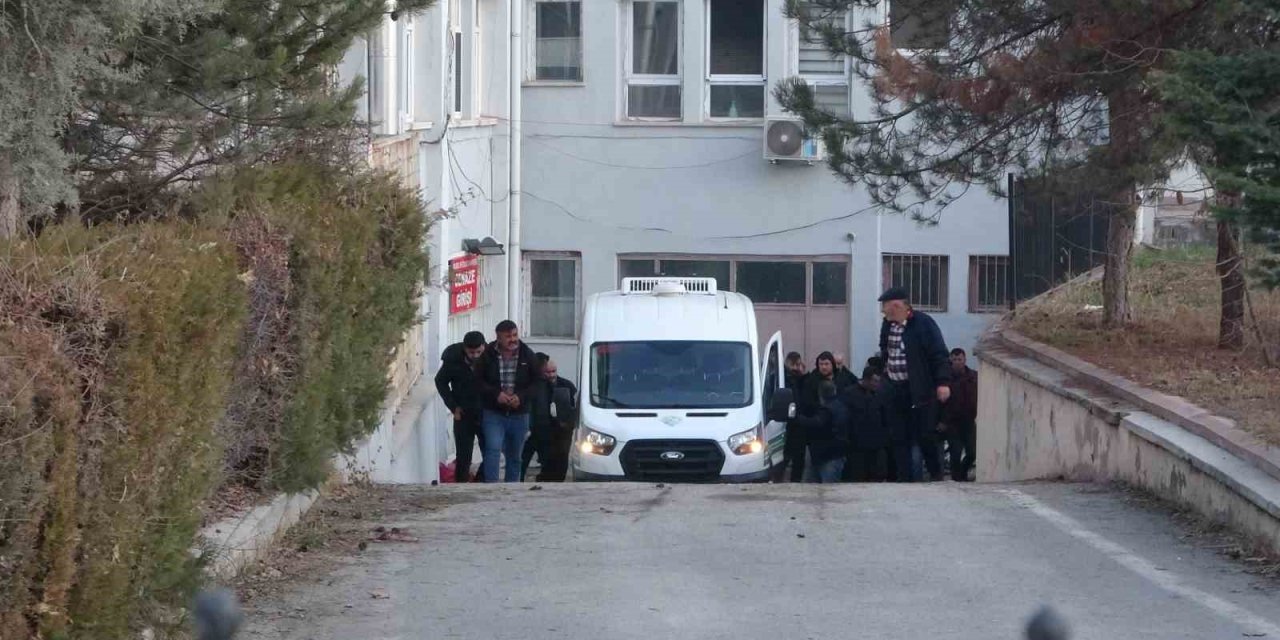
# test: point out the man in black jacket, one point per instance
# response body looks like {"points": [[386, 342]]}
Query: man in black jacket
{"points": [[918, 372], [959, 416], [456, 383], [870, 437], [551, 433], [844, 377], [827, 433], [505, 375], [793, 452]]}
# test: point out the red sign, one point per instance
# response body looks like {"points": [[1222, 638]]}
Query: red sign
{"points": [[464, 284]]}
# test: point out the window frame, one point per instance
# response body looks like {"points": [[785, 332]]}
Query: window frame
{"points": [[528, 258], [734, 259], [822, 80], [457, 49], [531, 48], [886, 12], [629, 78], [813, 279], [975, 299], [405, 108], [737, 80], [944, 279]]}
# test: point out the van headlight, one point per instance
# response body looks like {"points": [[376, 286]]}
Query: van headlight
{"points": [[747, 442], [593, 441]]}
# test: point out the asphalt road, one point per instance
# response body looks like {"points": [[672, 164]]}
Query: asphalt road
{"points": [[615, 562]]}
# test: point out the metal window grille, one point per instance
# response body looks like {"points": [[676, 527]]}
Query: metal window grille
{"points": [[924, 278], [988, 284]]}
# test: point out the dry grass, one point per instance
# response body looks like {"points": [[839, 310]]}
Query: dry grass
{"points": [[1172, 344]]}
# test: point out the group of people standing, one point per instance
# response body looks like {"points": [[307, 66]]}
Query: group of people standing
{"points": [[510, 399], [892, 423]]}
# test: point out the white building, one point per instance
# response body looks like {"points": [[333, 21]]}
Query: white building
{"points": [[643, 130], [640, 134]]}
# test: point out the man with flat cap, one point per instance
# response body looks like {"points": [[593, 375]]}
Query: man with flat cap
{"points": [[917, 383]]}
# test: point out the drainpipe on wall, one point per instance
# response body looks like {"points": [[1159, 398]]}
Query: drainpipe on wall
{"points": [[852, 297], [515, 160]]}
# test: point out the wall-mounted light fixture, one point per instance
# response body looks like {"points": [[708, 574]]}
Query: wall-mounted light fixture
{"points": [[485, 247]]}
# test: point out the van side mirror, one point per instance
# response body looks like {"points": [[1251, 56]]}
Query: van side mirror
{"points": [[783, 406]]}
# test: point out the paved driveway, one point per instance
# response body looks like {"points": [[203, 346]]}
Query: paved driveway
{"points": [[616, 562]]}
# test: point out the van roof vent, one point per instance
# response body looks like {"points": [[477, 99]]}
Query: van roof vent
{"points": [[669, 286]]}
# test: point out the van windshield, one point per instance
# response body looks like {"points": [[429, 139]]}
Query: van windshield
{"points": [[670, 374]]}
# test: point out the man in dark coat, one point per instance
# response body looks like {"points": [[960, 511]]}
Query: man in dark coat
{"points": [[827, 430], [844, 377], [918, 372], [456, 383], [960, 415], [824, 370], [550, 436], [505, 374], [794, 451], [869, 435]]}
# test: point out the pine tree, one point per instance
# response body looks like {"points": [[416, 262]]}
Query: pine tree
{"points": [[1226, 106], [248, 84], [1051, 88], [49, 51]]}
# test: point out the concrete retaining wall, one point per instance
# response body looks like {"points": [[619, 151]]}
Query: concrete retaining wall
{"points": [[233, 544], [1038, 420]]}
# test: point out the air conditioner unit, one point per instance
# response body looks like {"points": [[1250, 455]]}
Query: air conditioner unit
{"points": [[669, 285], [785, 139]]}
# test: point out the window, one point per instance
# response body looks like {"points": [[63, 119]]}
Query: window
{"points": [[718, 269], [553, 296], [830, 283], [826, 72], [772, 282], [638, 268], [924, 278], [557, 41], [920, 24], [735, 59], [806, 281], [669, 374], [988, 284], [464, 59], [406, 72], [653, 61]]}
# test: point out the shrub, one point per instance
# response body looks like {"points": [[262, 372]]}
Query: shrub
{"points": [[122, 343], [335, 262], [137, 362]]}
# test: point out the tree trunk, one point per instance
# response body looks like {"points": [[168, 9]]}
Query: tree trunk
{"points": [[1231, 278], [1115, 276], [9, 192]]}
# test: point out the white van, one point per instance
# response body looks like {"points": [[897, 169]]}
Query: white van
{"points": [[675, 388]]}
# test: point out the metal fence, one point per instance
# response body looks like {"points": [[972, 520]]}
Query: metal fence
{"points": [[1055, 234]]}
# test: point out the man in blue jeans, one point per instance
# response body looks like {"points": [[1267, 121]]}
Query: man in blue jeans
{"points": [[505, 375]]}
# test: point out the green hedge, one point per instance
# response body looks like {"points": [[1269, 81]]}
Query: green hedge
{"points": [[122, 343], [353, 250], [138, 363]]}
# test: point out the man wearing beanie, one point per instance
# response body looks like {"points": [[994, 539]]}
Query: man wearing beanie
{"points": [[456, 383]]}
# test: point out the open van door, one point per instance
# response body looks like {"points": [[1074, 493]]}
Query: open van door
{"points": [[776, 401]]}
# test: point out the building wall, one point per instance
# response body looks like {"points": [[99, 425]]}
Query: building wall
{"points": [[601, 186], [462, 165]]}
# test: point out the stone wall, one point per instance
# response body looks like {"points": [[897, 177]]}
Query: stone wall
{"points": [[1044, 415]]}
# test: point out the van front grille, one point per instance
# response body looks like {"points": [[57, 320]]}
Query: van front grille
{"points": [[672, 460]]}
